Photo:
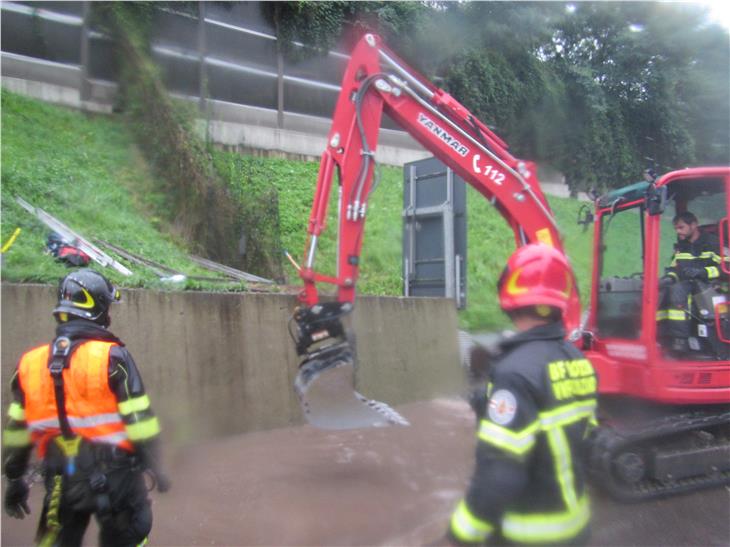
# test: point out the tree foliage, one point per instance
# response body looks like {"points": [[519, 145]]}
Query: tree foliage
{"points": [[601, 90]]}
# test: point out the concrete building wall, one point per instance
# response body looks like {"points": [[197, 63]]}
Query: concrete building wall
{"points": [[218, 364]]}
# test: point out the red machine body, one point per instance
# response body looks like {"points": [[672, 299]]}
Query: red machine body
{"points": [[665, 420], [376, 81], [623, 344]]}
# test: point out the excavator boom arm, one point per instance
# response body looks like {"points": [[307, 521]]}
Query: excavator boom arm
{"points": [[376, 81]]}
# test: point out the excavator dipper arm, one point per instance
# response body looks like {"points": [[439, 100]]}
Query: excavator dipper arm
{"points": [[376, 81]]}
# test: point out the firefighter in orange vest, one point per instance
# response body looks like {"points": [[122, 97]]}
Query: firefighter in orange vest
{"points": [[81, 402], [529, 484]]}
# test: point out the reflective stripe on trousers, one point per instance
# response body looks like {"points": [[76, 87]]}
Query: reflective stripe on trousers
{"points": [[546, 527]]}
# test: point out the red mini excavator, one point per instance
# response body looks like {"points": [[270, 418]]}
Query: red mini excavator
{"points": [[664, 415], [681, 438]]}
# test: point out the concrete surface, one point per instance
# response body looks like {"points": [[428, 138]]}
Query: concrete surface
{"points": [[217, 364], [393, 486]]}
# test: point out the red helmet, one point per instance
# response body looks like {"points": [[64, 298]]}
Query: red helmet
{"points": [[536, 275]]}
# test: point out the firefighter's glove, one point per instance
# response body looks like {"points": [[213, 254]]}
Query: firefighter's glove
{"points": [[16, 498], [693, 272], [666, 281]]}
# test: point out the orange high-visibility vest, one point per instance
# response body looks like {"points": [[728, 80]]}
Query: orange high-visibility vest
{"points": [[91, 406]]}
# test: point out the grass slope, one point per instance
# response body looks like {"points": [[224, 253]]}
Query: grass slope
{"points": [[87, 171], [490, 241]]}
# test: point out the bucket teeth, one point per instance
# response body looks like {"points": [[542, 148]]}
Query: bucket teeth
{"points": [[324, 385]]}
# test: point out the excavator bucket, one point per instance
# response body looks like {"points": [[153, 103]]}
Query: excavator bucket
{"points": [[325, 386]]}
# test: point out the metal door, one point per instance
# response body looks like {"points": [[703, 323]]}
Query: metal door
{"points": [[434, 231]]}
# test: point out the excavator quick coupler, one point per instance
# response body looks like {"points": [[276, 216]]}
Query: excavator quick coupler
{"points": [[326, 378]]}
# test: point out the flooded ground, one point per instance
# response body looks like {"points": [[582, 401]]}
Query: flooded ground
{"points": [[392, 486]]}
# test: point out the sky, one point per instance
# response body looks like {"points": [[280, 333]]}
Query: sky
{"points": [[719, 11]]}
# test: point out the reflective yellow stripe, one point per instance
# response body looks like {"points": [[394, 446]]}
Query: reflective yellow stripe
{"points": [[16, 438], [134, 405], [568, 414], [468, 528], [706, 255], [673, 275], [552, 422], [546, 527], [520, 442], [517, 442], [563, 465], [53, 526], [16, 411], [69, 447], [671, 315], [143, 430], [710, 255], [88, 303], [712, 272]]}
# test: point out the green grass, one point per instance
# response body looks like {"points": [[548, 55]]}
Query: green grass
{"points": [[87, 171], [490, 241]]}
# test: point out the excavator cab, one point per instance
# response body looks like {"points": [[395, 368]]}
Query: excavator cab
{"points": [[706, 198], [665, 416], [634, 243]]}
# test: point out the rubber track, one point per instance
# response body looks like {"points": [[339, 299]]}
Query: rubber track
{"points": [[608, 443]]}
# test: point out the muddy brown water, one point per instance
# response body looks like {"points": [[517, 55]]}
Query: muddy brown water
{"points": [[389, 487]]}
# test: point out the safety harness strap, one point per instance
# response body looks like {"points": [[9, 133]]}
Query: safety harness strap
{"points": [[59, 360]]}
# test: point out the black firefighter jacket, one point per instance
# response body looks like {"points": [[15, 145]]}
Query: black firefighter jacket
{"points": [[702, 254], [529, 482]]}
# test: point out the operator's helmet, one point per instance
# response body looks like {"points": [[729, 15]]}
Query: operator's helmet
{"points": [[85, 294], [536, 275]]}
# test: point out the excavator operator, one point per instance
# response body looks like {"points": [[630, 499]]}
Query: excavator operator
{"points": [[81, 402], [696, 262], [528, 486]]}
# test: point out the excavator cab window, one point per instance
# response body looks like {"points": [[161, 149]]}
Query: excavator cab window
{"points": [[622, 272], [706, 199]]}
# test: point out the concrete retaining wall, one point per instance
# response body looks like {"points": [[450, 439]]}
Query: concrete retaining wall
{"points": [[218, 364]]}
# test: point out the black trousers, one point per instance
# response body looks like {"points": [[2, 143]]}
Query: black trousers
{"points": [[111, 488]]}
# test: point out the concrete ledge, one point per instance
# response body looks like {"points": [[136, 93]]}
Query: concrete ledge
{"points": [[245, 137], [60, 95], [218, 364], [39, 70]]}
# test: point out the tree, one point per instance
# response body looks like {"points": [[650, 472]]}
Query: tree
{"points": [[656, 84], [598, 89]]}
